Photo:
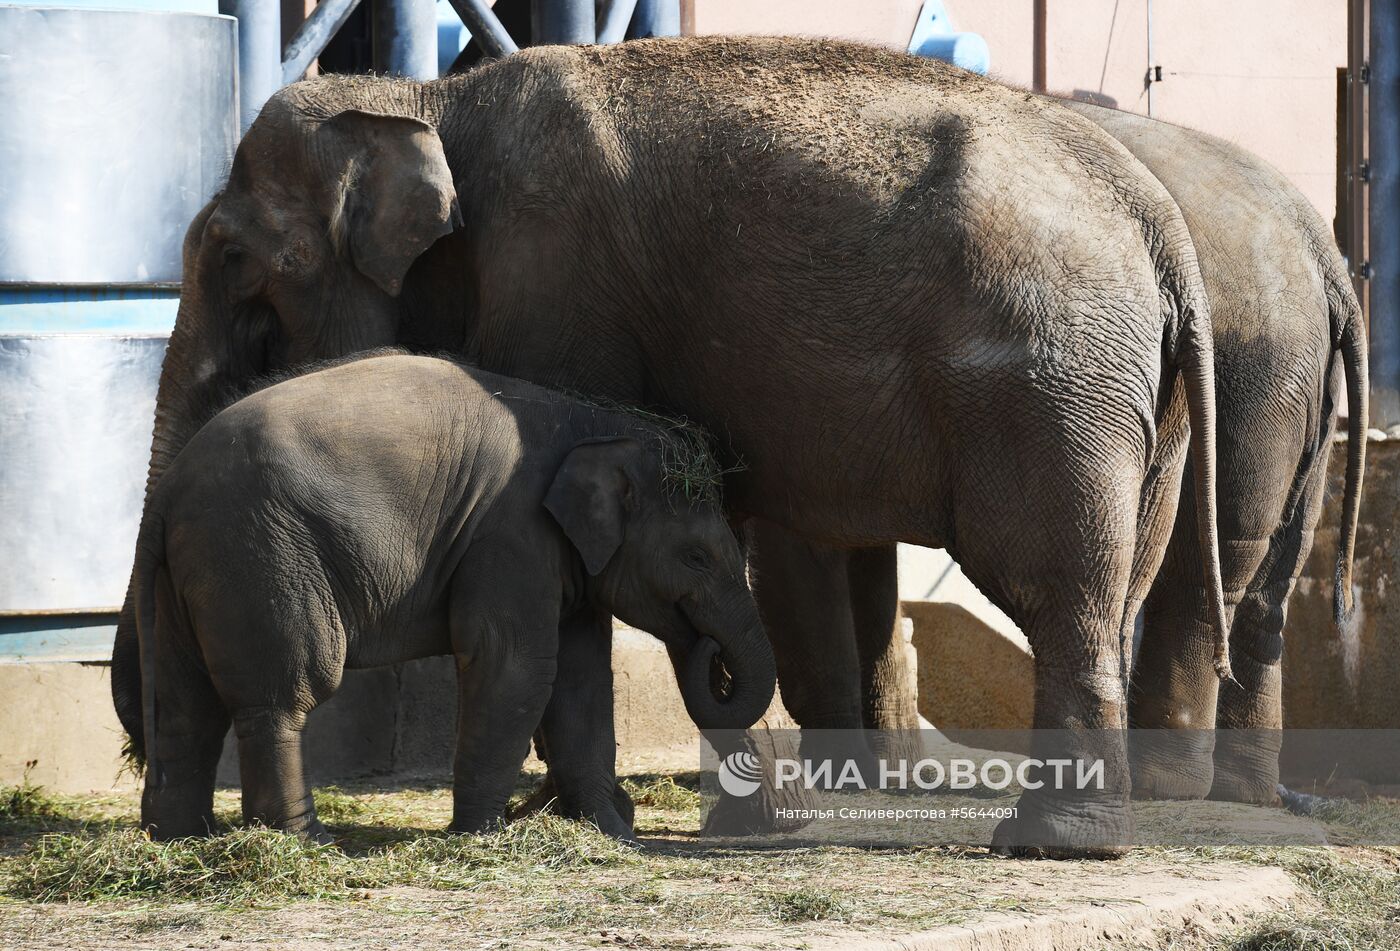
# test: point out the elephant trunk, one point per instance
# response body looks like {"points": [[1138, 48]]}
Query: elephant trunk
{"points": [[182, 402], [191, 379], [728, 676]]}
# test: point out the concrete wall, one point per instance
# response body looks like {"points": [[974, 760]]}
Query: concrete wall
{"points": [[1261, 73]]}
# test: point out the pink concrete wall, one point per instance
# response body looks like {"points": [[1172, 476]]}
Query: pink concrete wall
{"points": [[1261, 73]]}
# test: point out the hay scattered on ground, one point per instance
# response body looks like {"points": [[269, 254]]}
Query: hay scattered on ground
{"points": [[78, 867]]}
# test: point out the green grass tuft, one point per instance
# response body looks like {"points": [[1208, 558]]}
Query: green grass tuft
{"points": [[133, 758], [337, 807], [686, 449], [1359, 906], [244, 866], [688, 462], [538, 843], [662, 793], [807, 904], [27, 801]]}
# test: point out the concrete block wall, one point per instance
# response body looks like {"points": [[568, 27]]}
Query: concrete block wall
{"points": [[1347, 676]]}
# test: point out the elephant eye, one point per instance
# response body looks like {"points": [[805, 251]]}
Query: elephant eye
{"points": [[241, 274], [697, 558]]}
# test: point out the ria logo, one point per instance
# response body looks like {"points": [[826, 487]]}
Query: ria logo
{"points": [[740, 774]]}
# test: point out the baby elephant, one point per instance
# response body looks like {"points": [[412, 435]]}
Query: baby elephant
{"points": [[398, 507]]}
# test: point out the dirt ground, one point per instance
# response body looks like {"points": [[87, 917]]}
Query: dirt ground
{"points": [[396, 882]]}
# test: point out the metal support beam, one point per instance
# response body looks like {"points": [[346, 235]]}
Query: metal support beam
{"points": [[1384, 211], [614, 16], [656, 18], [485, 28], [259, 54], [1039, 22], [325, 21], [405, 38], [562, 22]]}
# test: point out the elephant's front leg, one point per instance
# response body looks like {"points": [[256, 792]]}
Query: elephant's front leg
{"points": [[889, 703], [506, 667], [576, 735], [804, 597]]}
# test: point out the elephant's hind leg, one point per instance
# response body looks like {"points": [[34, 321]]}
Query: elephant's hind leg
{"points": [[508, 655], [1060, 563], [269, 714], [275, 792], [1249, 715]]}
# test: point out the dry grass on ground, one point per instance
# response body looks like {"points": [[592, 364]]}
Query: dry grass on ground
{"points": [[75, 873]]}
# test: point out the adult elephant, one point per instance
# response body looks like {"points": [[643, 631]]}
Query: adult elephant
{"points": [[833, 256], [1288, 335]]}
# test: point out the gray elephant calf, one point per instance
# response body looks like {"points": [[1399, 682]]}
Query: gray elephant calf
{"points": [[319, 525]]}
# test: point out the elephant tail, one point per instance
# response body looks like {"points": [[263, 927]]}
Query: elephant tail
{"points": [[1195, 360], [1351, 341], [133, 654]]}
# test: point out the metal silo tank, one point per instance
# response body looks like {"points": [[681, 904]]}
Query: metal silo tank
{"points": [[116, 127]]}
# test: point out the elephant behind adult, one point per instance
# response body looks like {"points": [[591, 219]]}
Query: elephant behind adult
{"points": [[1286, 323], [1288, 330], [828, 254]]}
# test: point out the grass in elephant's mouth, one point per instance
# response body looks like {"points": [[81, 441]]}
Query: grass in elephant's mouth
{"points": [[545, 881]]}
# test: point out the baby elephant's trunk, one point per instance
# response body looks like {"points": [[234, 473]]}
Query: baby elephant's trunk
{"points": [[727, 678]]}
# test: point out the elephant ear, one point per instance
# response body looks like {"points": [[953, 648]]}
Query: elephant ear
{"points": [[395, 196], [592, 496]]}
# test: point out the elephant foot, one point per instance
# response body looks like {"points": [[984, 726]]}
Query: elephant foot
{"points": [[165, 829], [767, 810], [1246, 776], [1260, 788], [839, 746], [1065, 830], [1246, 766], [316, 834], [306, 826], [176, 811], [764, 807], [613, 817], [1171, 764]]}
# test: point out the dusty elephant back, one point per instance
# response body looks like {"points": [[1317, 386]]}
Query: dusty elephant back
{"points": [[922, 243], [730, 159], [1253, 229]]}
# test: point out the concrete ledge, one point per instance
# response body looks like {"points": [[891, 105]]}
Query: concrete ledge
{"points": [[59, 716], [1109, 910]]}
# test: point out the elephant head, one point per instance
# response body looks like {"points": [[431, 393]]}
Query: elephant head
{"points": [[668, 565], [303, 255]]}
